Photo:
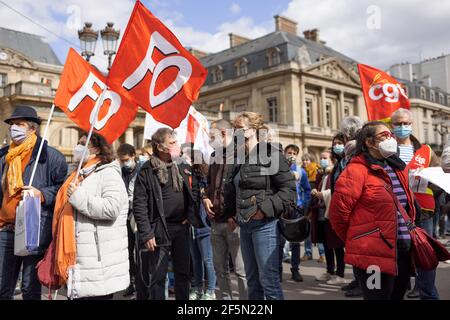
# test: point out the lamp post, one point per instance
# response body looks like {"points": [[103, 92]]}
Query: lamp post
{"points": [[110, 36], [441, 123], [88, 38]]}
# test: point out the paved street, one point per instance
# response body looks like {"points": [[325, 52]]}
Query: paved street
{"points": [[310, 289]]}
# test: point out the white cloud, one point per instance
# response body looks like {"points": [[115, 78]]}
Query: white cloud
{"points": [[408, 28], [235, 8]]}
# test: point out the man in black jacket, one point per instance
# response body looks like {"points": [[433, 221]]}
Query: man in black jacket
{"points": [[163, 207]]}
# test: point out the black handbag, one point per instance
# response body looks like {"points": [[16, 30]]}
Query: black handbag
{"points": [[293, 224]]}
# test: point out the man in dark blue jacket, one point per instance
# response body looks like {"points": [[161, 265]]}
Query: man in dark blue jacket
{"points": [[16, 165]]}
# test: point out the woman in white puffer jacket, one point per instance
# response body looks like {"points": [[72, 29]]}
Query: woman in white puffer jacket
{"points": [[100, 206]]}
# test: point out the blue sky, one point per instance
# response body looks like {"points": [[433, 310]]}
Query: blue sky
{"points": [[375, 32]]}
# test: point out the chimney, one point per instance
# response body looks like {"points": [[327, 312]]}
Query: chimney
{"points": [[285, 24], [197, 53], [312, 35], [236, 40]]}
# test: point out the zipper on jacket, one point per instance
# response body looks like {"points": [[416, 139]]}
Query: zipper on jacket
{"points": [[367, 233], [97, 244], [385, 240]]}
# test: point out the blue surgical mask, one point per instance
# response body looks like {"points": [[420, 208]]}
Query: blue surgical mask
{"points": [[402, 131], [18, 134], [143, 158], [324, 163], [338, 149], [129, 165]]}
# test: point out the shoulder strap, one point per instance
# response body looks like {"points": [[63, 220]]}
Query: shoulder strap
{"points": [[406, 217]]}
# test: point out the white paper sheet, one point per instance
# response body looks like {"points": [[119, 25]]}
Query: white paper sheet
{"points": [[436, 176]]}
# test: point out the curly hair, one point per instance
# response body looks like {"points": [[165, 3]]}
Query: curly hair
{"points": [[106, 151]]}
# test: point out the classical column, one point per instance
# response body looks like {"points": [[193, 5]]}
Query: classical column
{"points": [[303, 105], [323, 108], [361, 108], [341, 107], [129, 136]]}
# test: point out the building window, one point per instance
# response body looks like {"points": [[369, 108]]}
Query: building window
{"points": [[432, 96], [424, 113], [346, 111], [272, 105], [3, 79], [328, 114], [441, 99], [241, 67], [217, 74], [308, 112], [423, 94], [273, 57], [425, 133]]}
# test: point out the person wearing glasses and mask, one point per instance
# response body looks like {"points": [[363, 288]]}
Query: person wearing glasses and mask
{"points": [[364, 213], [418, 156]]}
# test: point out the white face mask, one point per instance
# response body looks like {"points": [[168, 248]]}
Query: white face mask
{"points": [[78, 153], [388, 147], [143, 158], [18, 134]]}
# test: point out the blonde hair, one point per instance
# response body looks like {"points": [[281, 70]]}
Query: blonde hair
{"points": [[254, 120]]}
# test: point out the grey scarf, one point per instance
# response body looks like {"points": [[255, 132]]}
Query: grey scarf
{"points": [[161, 169]]}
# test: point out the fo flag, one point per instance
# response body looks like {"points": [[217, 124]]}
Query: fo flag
{"points": [[81, 88], [382, 93], [154, 70]]}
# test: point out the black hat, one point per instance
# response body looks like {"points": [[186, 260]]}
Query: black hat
{"points": [[24, 112]]}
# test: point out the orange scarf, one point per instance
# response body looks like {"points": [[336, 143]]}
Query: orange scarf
{"points": [[14, 158], [64, 228]]}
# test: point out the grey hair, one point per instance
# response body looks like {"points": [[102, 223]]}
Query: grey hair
{"points": [[33, 125], [401, 111], [350, 126]]}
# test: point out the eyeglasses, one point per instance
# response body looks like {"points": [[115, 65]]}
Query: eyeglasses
{"points": [[384, 135], [398, 124]]}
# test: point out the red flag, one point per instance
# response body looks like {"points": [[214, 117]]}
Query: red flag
{"points": [[154, 70], [382, 93], [81, 85]]}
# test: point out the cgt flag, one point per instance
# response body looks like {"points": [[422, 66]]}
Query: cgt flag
{"points": [[80, 87], [382, 93], [154, 70]]}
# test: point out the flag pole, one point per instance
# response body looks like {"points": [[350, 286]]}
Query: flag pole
{"points": [[42, 144], [97, 109]]}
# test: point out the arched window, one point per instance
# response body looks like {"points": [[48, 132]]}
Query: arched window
{"points": [[241, 67], [432, 96], [423, 94], [441, 99], [217, 74], [273, 56]]}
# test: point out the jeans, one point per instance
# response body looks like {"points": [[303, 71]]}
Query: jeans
{"points": [[390, 287], [10, 268], [308, 247], [260, 244], [426, 279], [295, 258], [226, 243], [202, 257], [154, 265]]}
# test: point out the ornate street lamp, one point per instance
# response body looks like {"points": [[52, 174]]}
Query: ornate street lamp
{"points": [[441, 123], [88, 38], [110, 36]]}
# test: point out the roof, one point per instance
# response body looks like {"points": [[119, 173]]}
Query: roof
{"points": [[32, 46], [270, 40]]}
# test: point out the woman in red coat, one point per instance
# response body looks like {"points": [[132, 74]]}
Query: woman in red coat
{"points": [[364, 214]]}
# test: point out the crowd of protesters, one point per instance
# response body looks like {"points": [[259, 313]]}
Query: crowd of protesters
{"points": [[131, 218]]}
